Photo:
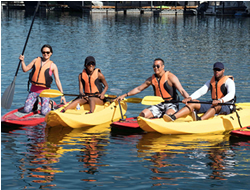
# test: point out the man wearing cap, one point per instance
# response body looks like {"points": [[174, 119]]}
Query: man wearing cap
{"points": [[222, 90]]}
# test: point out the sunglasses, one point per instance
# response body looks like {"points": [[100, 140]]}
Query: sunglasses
{"points": [[47, 52], [217, 69], [90, 63], [158, 66]]}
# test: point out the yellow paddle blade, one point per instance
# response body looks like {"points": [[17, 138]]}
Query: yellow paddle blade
{"points": [[152, 100], [51, 93], [110, 96], [133, 100]]}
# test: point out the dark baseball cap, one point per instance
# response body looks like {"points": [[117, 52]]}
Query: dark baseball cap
{"points": [[218, 65], [89, 59]]}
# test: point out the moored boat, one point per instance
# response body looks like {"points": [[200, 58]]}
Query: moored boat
{"points": [[216, 125], [109, 112]]}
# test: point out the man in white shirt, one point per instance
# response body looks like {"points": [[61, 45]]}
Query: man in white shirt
{"points": [[222, 90]]}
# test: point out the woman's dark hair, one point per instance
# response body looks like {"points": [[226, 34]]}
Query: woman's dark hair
{"points": [[47, 46]]}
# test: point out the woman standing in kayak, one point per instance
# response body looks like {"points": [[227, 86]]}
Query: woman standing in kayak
{"points": [[41, 79], [92, 86]]}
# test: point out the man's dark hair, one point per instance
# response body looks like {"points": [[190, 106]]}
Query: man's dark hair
{"points": [[159, 59]]}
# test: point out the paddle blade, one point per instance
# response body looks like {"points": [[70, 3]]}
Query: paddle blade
{"points": [[133, 100], [151, 100], [8, 95], [110, 96], [51, 93]]}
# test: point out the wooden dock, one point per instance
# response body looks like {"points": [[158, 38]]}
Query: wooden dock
{"points": [[65, 6]]}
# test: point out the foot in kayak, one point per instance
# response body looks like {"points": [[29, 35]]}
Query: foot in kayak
{"points": [[168, 118], [195, 116]]}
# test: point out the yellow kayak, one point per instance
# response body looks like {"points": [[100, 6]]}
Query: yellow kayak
{"points": [[216, 125], [109, 112]]}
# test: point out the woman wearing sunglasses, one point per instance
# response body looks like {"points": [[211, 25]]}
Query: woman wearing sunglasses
{"points": [[164, 84], [92, 86], [41, 78]]}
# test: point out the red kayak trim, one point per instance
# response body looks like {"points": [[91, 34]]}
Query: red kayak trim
{"points": [[243, 132], [129, 123], [19, 117]]}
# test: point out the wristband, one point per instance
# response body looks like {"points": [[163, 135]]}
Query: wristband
{"points": [[220, 100], [127, 94]]}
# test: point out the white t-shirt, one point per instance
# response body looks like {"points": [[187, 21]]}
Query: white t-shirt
{"points": [[229, 84]]}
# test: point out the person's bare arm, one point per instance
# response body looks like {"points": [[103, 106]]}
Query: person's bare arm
{"points": [[57, 80], [26, 68], [175, 81], [137, 89], [103, 80]]}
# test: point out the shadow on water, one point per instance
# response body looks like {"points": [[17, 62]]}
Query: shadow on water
{"points": [[9, 128], [239, 141]]}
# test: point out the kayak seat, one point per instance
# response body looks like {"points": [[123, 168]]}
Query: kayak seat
{"points": [[186, 118], [85, 109]]}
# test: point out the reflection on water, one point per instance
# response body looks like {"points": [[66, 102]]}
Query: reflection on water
{"points": [[187, 157], [36, 164], [221, 159], [88, 145], [87, 155], [46, 145]]}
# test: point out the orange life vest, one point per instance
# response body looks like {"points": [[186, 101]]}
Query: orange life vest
{"points": [[39, 75], [91, 83], [162, 88], [218, 89]]}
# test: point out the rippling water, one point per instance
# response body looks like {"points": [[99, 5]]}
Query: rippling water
{"points": [[124, 47]]}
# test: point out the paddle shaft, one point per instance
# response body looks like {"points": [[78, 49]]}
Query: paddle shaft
{"points": [[87, 95], [194, 102], [121, 110], [8, 94], [37, 6]]}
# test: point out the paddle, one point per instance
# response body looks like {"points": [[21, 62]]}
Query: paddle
{"points": [[133, 100], [8, 94], [51, 93], [118, 91], [152, 100]]}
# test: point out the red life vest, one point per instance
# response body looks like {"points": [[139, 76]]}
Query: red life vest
{"points": [[218, 89], [91, 83], [162, 88], [40, 75]]}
